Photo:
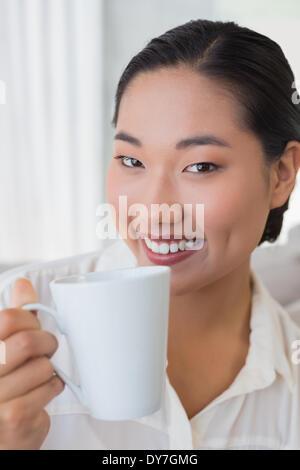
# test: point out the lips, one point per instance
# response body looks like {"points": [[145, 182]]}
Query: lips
{"points": [[168, 259]]}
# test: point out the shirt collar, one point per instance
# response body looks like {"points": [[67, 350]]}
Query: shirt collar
{"points": [[267, 347]]}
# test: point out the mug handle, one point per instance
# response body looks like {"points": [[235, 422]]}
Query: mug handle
{"points": [[75, 388]]}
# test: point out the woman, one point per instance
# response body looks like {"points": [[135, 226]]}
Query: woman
{"points": [[204, 114]]}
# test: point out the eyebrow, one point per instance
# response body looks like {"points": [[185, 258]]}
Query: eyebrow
{"points": [[182, 144]]}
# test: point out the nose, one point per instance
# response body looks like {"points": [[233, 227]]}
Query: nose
{"points": [[163, 216]]}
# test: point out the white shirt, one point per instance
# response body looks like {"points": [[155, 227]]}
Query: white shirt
{"points": [[259, 410]]}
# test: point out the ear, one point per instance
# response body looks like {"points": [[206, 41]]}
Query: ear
{"points": [[284, 174]]}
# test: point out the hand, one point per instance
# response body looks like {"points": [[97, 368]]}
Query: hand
{"points": [[27, 382]]}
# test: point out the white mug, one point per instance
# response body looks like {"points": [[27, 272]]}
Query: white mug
{"points": [[116, 322]]}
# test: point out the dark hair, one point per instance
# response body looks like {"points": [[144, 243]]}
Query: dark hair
{"points": [[251, 66]]}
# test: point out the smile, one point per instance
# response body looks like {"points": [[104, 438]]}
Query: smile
{"points": [[171, 252], [171, 246]]}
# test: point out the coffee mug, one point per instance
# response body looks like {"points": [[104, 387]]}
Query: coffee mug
{"points": [[116, 323]]}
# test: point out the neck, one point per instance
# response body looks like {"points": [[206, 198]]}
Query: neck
{"points": [[218, 311]]}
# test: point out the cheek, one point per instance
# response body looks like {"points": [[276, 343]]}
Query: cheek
{"points": [[116, 186], [119, 184], [236, 213]]}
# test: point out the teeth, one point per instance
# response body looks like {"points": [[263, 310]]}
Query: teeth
{"points": [[154, 247], [181, 245], [173, 247], [165, 248], [148, 242], [189, 244]]}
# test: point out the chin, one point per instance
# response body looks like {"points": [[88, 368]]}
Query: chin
{"points": [[178, 287]]}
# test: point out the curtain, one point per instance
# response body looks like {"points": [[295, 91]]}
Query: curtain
{"points": [[51, 162]]}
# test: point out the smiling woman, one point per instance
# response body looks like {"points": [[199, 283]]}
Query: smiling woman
{"points": [[204, 114], [200, 117]]}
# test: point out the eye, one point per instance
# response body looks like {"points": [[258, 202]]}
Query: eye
{"points": [[204, 165], [133, 162]]}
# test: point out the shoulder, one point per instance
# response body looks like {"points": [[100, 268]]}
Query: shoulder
{"points": [[289, 400], [279, 330], [279, 342], [289, 318], [290, 321], [42, 273], [111, 256], [293, 309], [289, 338]]}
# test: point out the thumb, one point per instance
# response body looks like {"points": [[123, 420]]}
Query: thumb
{"points": [[23, 293]]}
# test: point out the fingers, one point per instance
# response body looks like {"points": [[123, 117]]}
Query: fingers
{"points": [[30, 375], [41, 396], [29, 405], [23, 293], [26, 344], [13, 320]]}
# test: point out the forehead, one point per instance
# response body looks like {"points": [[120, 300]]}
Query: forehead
{"points": [[177, 100]]}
